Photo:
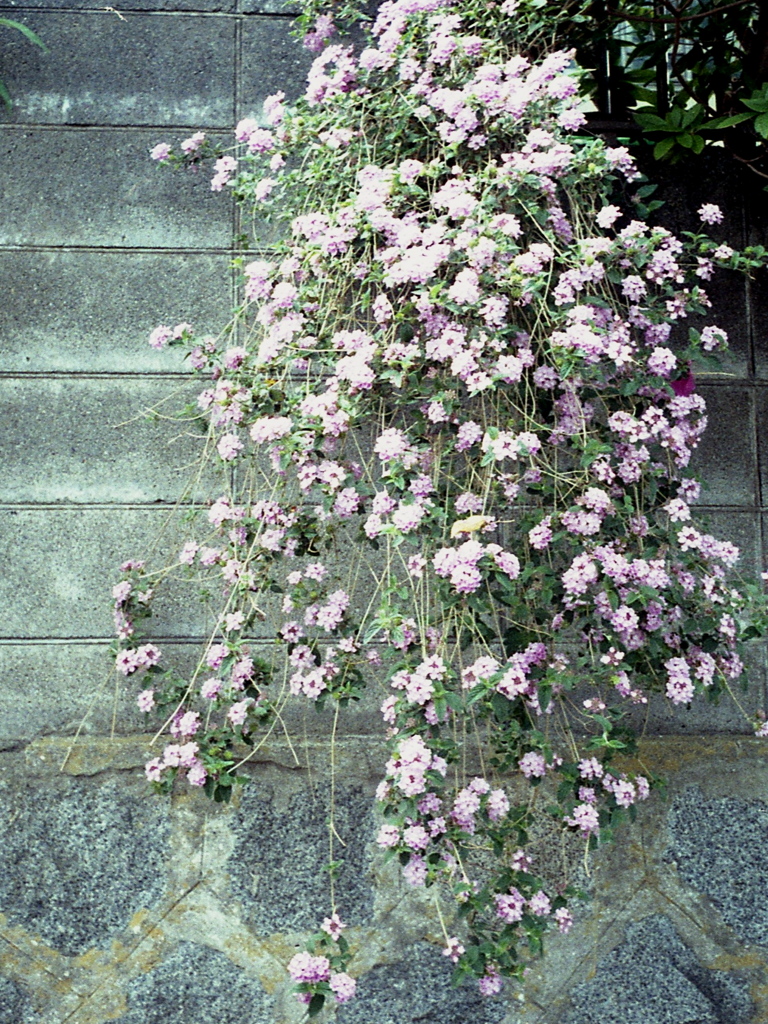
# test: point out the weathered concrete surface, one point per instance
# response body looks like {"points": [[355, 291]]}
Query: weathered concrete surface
{"points": [[270, 55], [726, 456], [97, 187], [82, 311], [187, 6], [101, 68], [56, 430], [62, 562]]}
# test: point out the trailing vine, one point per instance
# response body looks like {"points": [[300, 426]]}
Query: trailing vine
{"points": [[454, 415]]}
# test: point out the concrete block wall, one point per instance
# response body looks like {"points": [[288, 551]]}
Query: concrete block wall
{"points": [[118, 906]]}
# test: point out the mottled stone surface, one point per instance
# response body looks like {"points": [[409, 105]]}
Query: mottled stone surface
{"points": [[196, 985], [418, 989], [282, 883], [14, 1005], [80, 859], [653, 978], [720, 847]]}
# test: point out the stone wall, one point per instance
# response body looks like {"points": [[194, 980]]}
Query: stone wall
{"points": [[118, 906]]}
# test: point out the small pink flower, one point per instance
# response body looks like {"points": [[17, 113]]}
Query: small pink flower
{"points": [[343, 987], [453, 949], [197, 775], [229, 447], [564, 919], [146, 700], [333, 926], [160, 337], [193, 143], [710, 213], [607, 216]]}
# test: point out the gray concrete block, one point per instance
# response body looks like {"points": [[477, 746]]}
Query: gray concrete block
{"points": [[99, 440], [133, 70], [81, 858], [94, 311], [757, 287], [717, 180], [269, 7], [59, 566], [272, 59], [69, 186], [653, 978], [725, 458], [660, 717], [197, 984], [758, 302], [742, 529], [418, 989], [730, 310], [204, 6], [761, 397], [39, 698], [720, 848], [284, 895]]}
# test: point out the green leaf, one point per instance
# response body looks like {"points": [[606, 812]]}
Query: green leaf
{"points": [[662, 148], [761, 126], [453, 700], [760, 104], [690, 115], [316, 1004], [33, 37], [374, 628], [726, 122], [651, 122]]}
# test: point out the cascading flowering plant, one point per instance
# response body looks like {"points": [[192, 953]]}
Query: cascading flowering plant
{"points": [[456, 412]]}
